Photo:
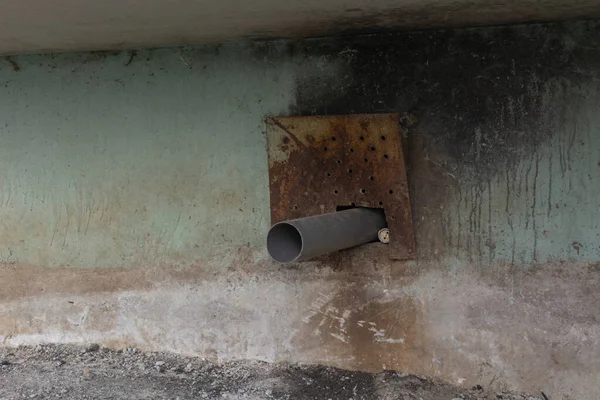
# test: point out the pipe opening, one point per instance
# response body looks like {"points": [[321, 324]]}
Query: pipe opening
{"points": [[284, 243]]}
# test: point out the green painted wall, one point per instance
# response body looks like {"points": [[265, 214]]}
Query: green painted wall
{"points": [[159, 161], [114, 160]]}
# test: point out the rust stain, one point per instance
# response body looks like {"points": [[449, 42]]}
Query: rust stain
{"points": [[26, 280], [491, 245], [389, 335], [352, 160], [367, 330], [14, 64]]}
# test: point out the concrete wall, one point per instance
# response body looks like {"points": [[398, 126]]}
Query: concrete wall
{"points": [[34, 26], [134, 204]]}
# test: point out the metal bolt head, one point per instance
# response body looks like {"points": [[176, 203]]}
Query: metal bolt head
{"points": [[384, 235]]}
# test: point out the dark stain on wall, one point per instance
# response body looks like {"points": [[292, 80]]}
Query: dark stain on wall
{"points": [[474, 93], [493, 120]]}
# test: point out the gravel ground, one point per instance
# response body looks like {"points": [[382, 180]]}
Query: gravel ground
{"points": [[93, 372]]}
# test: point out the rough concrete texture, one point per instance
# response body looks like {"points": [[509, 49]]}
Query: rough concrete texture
{"points": [[93, 372], [30, 26], [134, 202]]}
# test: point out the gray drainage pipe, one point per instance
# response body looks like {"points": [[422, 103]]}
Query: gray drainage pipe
{"points": [[304, 238]]}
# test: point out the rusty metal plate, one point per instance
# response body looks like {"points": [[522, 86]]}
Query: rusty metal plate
{"points": [[319, 163]]}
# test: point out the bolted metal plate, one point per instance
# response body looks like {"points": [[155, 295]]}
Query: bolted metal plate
{"points": [[321, 162]]}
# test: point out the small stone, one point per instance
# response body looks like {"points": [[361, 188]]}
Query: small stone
{"points": [[188, 368], [93, 347], [177, 369], [160, 366], [60, 363]]}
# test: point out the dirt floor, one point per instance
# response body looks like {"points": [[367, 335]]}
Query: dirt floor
{"points": [[94, 372]]}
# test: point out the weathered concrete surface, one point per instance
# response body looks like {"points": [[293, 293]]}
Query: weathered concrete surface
{"points": [[527, 330], [30, 26], [135, 202]]}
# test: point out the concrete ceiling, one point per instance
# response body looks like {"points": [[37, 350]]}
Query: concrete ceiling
{"points": [[66, 25]]}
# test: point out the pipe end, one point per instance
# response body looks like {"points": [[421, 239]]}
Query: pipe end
{"points": [[284, 243]]}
